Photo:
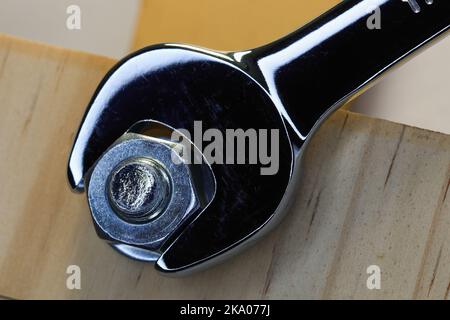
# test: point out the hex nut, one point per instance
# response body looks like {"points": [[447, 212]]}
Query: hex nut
{"points": [[149, 233]]}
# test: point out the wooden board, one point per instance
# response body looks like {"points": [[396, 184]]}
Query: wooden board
{"points": [[372, 193]]}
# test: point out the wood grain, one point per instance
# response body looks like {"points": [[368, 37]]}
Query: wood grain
{"points": [[372, 193]]}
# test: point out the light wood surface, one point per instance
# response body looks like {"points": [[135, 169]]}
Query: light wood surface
{"points": [[223, 25], [372, 193]]}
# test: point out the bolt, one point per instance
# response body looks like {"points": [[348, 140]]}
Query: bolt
{"points": [[139, 189]]}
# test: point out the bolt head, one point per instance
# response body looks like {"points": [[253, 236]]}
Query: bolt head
{"points": [[137, 194], [139, 189]]}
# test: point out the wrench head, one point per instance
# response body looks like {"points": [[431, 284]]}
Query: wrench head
{"points": [[178, 85]]}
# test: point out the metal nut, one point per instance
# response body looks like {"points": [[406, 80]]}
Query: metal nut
{"points": [[138, 195]]}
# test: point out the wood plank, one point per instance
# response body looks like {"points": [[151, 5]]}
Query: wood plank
{"points": [[372, 193]]}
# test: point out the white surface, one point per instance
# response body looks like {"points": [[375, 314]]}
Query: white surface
{"points": [[417, 93], [107, 26]]}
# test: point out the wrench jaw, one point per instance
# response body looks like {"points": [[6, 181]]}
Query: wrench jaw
{"points": [[178, 86]]}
